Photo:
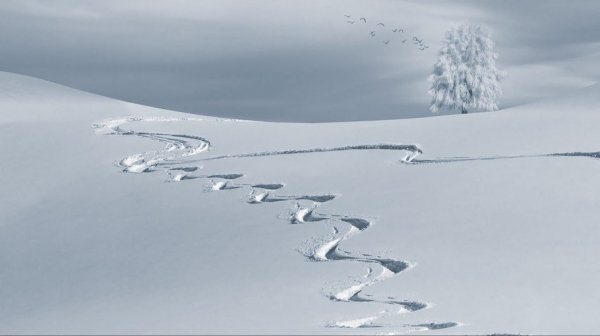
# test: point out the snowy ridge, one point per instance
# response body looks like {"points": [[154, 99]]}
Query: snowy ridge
{"points": [[498, 204], [174, 161]]}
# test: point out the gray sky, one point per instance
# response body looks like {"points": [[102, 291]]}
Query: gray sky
{"points": [[290, 60]]}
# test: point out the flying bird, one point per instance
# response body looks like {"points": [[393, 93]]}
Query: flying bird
{"points": [[363, 19], [373, 33], [395, 30], [403, 41], [346, 15], [421, 48], [350, 22], [380, 24], [386, 42]]}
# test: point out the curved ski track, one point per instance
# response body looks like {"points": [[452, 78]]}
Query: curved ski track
{"points": [[171, 160]]}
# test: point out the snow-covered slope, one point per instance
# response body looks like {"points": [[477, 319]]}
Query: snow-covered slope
{"points": [[120, 218]]}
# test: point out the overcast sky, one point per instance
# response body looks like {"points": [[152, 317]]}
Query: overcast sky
{"points": [[291, 60]]}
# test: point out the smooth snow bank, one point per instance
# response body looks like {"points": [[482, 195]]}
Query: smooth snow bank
{"points": [[484, 232]]}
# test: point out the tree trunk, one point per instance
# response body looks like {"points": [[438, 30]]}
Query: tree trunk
{"points": [[463, 110]]}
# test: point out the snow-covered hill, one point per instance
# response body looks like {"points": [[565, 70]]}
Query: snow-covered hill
{"points": [[121, 218]]}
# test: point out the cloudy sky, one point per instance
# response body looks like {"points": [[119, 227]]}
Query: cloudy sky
{"points": [[291, 60]]}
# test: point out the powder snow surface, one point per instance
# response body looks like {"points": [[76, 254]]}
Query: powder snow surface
{"points": [[121, 218]]}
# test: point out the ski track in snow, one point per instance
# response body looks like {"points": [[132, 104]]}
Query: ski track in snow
{"points": [[412, 151], [173, 160], [591, 155], [177, 146]]}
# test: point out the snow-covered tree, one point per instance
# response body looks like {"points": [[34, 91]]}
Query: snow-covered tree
{"points": [[465, 77]]}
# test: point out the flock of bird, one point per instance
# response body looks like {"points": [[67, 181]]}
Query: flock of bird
{"points": [[380, 25]]}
